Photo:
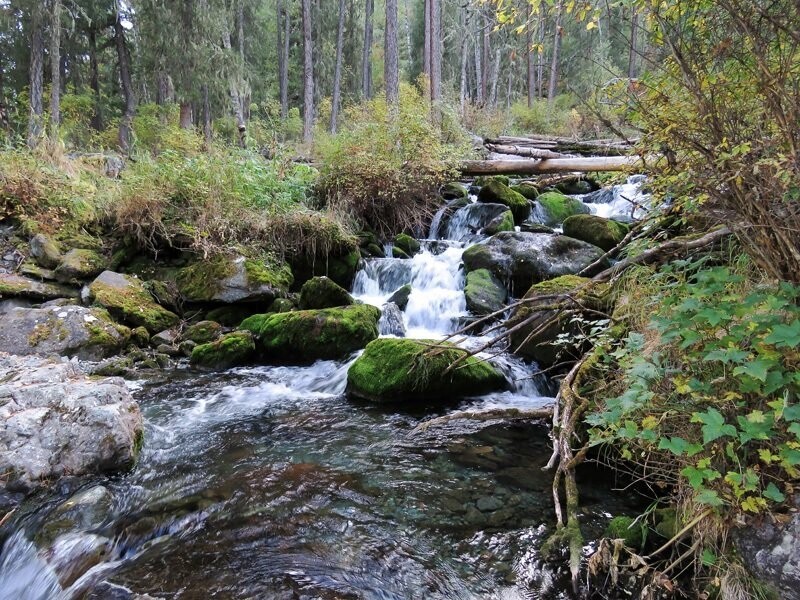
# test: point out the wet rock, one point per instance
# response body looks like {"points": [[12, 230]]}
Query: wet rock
{"points": [[600, 232], [771, 552], [524, 259], [453, 191], [140, 337], [498, 193], [399, 253], [87, 333], [54, 421], [15, 286], [484, 293], [503, 222], [400, 296], [604, 196], [391, 321], [529, 227], [127, 298], [392, 370], [202, 332], [527, 189], [339, 265], [329, 333], [473, 219], [80, 263], [280, 305], [169, 337], [407, 244], [34, 271], [322, 292], [45, 251], [488, 503], [230, 350], [84, 510], [73, 554], [576, 186], [233, 314], [187, 348], [552, 208], [234, 279], [168, 350]]}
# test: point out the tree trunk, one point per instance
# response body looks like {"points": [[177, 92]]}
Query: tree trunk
{"points": [[633, 51], [479, 85], [540, 58], [94, 80], [208, 132], [337, 76], [426, 50], [366, 60], [436, 50], [531, 85], [55, 67], [240, 28], [283, 57], [464, 58], [186, 119], [236, 99], [124, 59], [36, 76], [308, 74], [391, 65], [486, 50], [551, 90], [495, 78]]}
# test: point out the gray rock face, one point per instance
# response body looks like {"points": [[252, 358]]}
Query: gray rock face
{"points": [[55, 422], [232, 280], [771, 551], [468, 223], [15, 286], [527, 258], [391, 321], [80, 263], [45, 251], [87, 333], [484, 293]]}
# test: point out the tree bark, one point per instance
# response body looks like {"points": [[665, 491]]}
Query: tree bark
{"points": [[391, 64], [633, 51], [495, 78], [235, 96], [337, 76], [55, 67], [551, 90], [94, 80], [550, 165], [540, 58], [531, 84], [186, 118], [464, 58], [486, 50], [479, 84], [436, 50], [366, 60], [308, 74], [426, 49], [208, 131], [35, 120], [283, 57], [126, 83]]}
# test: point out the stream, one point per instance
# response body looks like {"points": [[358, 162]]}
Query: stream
{"points": [[267, 482]]}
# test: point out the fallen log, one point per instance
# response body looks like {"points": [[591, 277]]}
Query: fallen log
{"points": [[523, 151], [610, 147], [550, 165]]}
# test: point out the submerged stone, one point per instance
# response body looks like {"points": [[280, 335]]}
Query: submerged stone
{"points": [[400, 296], [406, 370], [307, 335]]}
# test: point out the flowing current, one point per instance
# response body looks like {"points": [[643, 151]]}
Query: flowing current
{"points": [[267, 482]]}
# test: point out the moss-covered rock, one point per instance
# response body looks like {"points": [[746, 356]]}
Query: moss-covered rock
{"points": [[503, 222], [233, 314], [405, 370], [230, 350], [140, 337], [498, 193], [45, 251], [604, 233], [453, 191], [281, 305], [322, 292], [577, 186], [400, 296], [545, 325], [552, 208], [484, 293], [407, 244], [339, 267], [627, 529], [529, 227], [486, 179], [127, 298], [527, 189], [202, 332], [305, 335], [14, 286], [399, 253], [231, 279], [80, 263]]}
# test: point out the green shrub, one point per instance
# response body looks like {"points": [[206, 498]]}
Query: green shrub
{"points": [[383, 170]]}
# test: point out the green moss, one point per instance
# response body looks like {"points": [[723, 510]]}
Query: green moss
{"points": [[228, 351], [627, 529], [341, 268], [504, 222], [486, 179], [322, 292], [80, 263], [392, 370], [478, 256], [99, 331], [231, 316], [281, 305], [203, 332], [400, 296], [453, 191], [329, 333], [129, 300], [138, 443], [559, 285], [407, 244], [527, 189], [45, 331], [484, 293], [603, 233], [556, 207], [268, 272], [399, 253], [201, 280], [498, 193], [140, 336]]}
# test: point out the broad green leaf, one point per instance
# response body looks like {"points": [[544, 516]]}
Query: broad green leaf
{"points": [[773, 493]]}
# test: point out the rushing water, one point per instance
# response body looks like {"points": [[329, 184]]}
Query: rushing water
{"points": [[267, 482]]}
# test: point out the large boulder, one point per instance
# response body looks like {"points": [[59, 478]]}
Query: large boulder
{"points": [[54, 421], [407, 244], [523, 259], [604, 233], [477, 220], [202, 332], [400, 296], [13, 286], [770, 549], [484, 293], [527, 189], [228, 280], [128, 299], [322, 292], [453, 191], [87, 333], [45, 251], [405, 370], [499, 193], [552, 208], [80, 263], [230, 350], [306, 335], [544, 324]]}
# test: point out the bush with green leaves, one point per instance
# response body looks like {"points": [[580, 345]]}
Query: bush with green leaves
{"points": [[710, 393], [385, 166]]}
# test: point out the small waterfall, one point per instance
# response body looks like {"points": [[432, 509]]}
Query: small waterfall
{"points": [[627, 201], [24, 575]]}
